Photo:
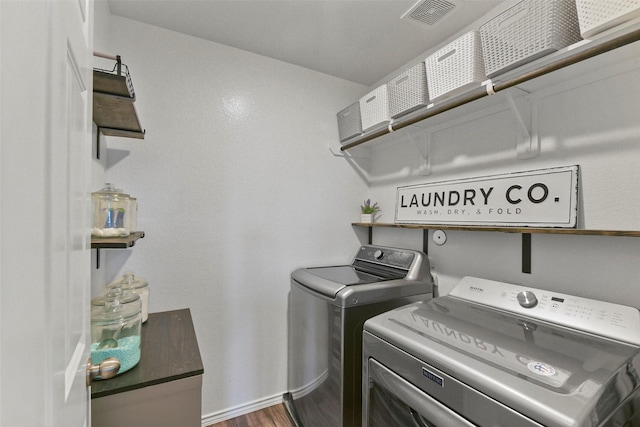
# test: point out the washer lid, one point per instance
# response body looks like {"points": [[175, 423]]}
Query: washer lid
{"points": [[344, 275], [329, 281], [555, 375]]}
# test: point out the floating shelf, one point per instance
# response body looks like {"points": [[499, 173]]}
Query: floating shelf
{"points": [[522, 230], [116, 242], [113, 98], [526, 233]]}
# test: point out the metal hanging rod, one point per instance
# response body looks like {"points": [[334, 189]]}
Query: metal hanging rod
{"points": [[490, 89], [106, 55], [113, 57]]}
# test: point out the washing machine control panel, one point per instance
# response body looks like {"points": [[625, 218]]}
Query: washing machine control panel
{"points": [[391, 257], [598, 317]]}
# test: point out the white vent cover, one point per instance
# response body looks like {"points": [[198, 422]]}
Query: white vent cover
{"points": [[429, 11]]}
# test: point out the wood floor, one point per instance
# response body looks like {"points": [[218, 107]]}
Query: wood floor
{"points": [[273, 416]]}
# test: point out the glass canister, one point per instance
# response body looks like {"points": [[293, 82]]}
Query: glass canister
{"points": [[133, 217], [110, 212], [140, 286], [116, 322]]}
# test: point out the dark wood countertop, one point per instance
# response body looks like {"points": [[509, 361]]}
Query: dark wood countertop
{"points": [[169, 351]]}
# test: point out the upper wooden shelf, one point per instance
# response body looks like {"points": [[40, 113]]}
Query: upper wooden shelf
{"points": [[525, 230], [530, 77], [116, 242]]}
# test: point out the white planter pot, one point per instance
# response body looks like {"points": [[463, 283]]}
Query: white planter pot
{"points": [[366, 218]]}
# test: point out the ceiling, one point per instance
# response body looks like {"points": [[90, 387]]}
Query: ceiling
{"points": [[362, 41]]}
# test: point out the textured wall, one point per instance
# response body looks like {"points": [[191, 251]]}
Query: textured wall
{"points": [[236, 188]]}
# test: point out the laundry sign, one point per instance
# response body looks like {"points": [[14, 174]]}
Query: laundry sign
{"points": [[537, 198]]}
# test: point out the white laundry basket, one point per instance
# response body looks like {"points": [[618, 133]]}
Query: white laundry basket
{"points": [[596, 16], [527, 31], [349, 122], [408, 91], [374, 108], [455, 68]]}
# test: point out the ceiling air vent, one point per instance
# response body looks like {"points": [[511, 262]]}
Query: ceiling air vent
{"points": [[429, 11]]}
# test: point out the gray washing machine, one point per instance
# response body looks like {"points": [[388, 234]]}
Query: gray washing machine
{"points": [[327, 309], [502, 355]]}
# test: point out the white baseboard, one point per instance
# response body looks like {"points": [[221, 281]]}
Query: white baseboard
{"points": [[304, 390], [227, 414], [256, 405]]}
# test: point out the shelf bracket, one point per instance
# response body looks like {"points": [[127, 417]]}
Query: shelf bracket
{"points": [[425, 165], [346, 155], [425, 241], [525, 114], [98, 144], [526, 253]]}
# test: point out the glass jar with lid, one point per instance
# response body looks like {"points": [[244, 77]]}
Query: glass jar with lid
{"points": [[116, 322], [110, 212], [133, 217], [138, 285]]}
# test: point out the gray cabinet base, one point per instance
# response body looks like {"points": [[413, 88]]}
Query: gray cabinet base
{"points": [[169, 404]]}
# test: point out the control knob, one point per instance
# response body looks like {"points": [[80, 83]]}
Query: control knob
{"points": [[378, 254], [527, 299]]}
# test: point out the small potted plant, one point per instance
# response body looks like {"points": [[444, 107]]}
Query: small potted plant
{"points": [[369, 211]]}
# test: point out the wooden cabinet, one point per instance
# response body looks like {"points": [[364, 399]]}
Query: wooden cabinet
{"points": [[165, 388]]}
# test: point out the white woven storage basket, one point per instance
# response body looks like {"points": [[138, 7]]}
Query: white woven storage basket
{"points": [[527, 31], [349, 122], [596, 16], [408, 91], [456, 67], [374, 108]]}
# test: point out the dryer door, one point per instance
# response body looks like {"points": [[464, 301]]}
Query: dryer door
{"points": [[392, 401]]}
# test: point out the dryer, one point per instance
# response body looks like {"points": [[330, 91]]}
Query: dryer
{"points": [[497, 354]]}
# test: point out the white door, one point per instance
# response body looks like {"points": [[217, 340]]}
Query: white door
{"points": [[45, 148]]}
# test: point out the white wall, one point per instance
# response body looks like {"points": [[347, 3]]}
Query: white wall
{"points": [[236, 188]]}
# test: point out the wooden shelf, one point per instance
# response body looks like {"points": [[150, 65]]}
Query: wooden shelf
{"points": [[523, 230], [113, 109], [116, 242], [540, 73]]}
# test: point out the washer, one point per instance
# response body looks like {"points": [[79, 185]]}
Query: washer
{"points": [[497, 354], [327, 309]]}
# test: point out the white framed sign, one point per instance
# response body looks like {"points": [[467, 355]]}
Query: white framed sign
{"points": [[537, 198]]}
